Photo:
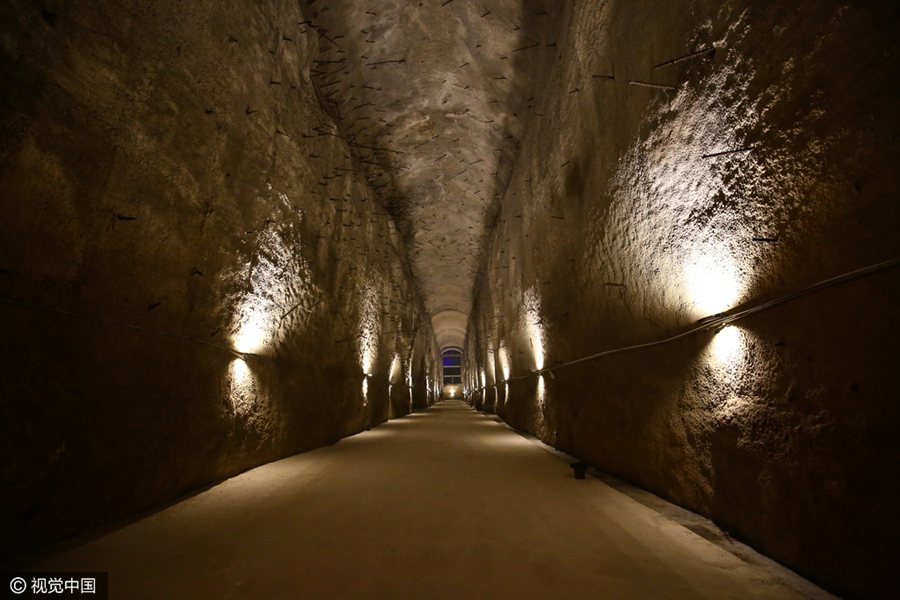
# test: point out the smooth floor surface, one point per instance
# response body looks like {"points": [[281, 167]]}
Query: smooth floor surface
{"points": [[443, 503]]}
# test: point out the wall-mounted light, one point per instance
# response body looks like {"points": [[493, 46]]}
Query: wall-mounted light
{"points": [[242, 386], [712, 280], [250, 334], [727, 345], [503, 355], [395, 368], [239, 369]]}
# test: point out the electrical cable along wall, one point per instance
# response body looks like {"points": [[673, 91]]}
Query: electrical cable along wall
{"points": [[710, 323], [692, 283]]}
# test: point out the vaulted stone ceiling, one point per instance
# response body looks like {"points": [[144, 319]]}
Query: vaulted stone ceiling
{"points": [[433, 97]]}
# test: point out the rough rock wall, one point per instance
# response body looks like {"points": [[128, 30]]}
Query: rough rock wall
{"points": [[429, 96], [688, 158], [170, 194]]}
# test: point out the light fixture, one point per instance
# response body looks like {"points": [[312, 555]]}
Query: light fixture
{"points": [[251, 333], [712, 281], [503, 354], [541, 392], [727, 345]]}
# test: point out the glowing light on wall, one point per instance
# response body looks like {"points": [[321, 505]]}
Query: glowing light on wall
{"points": [[394, 372], [727, 346], [688, 196], [505, 394], [712, 280], [243, 392], [273, 277], [239, 370], [541, 392], [503, 355], [251, 334], [368, 328], [483, 378], [534, 325], [365, 391], [491, 363], [728, 371], [255, 324]]}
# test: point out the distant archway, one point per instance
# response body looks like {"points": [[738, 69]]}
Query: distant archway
{"points": [[451, 366]]}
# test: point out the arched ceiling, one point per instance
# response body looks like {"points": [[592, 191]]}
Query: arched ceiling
{"points": [[450, 328], [432, 97]]}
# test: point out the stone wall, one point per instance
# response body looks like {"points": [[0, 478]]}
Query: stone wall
{"points": [[172, 192], [684, 159]]}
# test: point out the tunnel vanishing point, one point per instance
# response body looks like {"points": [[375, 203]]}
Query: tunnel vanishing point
{"points": [[661, 237]]}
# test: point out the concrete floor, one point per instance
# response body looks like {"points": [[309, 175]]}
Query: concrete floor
{"points": [[443, 503]]}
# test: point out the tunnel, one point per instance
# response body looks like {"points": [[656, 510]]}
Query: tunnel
{"points": [[450, 298]]}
